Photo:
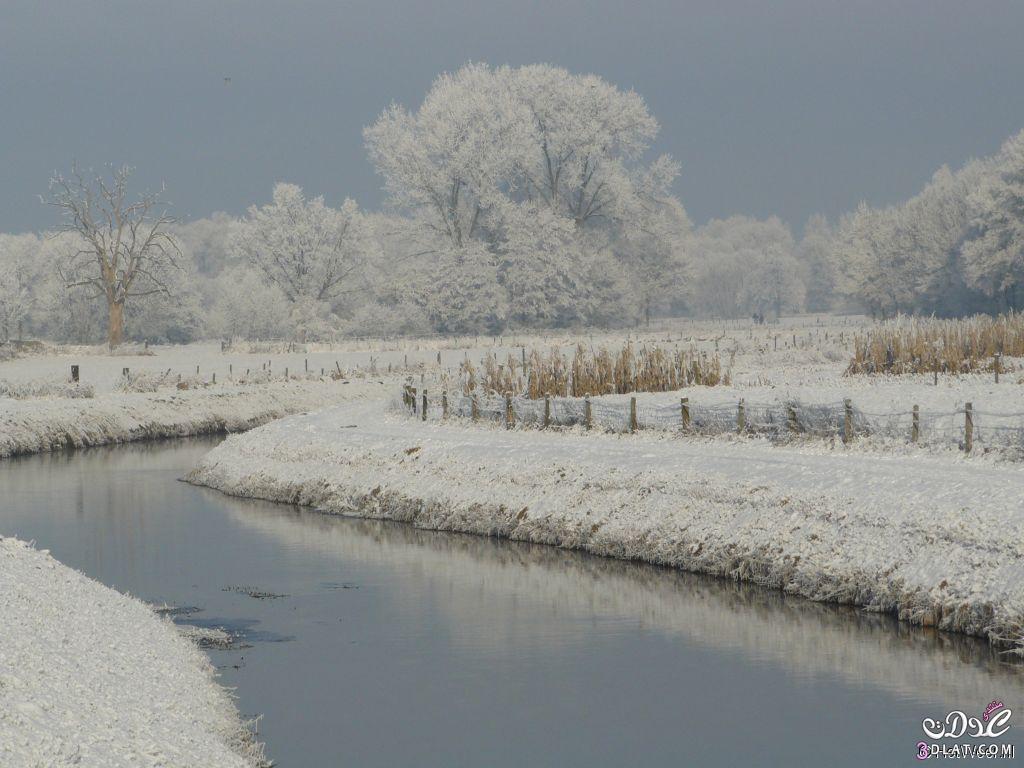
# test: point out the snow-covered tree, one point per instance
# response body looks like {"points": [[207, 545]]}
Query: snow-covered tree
{"points": [[815, 256], [537, 173], [127, 252], [20, 273], [745, 266], [311, 252], [994, 257]]}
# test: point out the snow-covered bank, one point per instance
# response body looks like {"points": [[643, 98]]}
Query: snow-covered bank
{"points": [[46, 424], [89, 676], [938, 541]]}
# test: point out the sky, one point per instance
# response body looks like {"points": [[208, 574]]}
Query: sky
{"points": [[784, 108]]}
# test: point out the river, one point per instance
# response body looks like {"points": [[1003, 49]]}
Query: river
{"points": [[367, 643]]}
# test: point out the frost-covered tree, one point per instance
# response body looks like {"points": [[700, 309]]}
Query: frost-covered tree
{"points": [[537, 173], [311, 252], [20, 278], [745, 266], [815, 256], [126, 251], [994, 257]]}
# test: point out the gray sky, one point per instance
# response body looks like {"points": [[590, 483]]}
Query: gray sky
{"points": [[784, 107]]}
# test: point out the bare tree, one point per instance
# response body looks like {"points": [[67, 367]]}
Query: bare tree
{"points": [[125, 250]]}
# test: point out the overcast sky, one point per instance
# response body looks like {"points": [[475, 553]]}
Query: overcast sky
{"points": [[784, 107]]}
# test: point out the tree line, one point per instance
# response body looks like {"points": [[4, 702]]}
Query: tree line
{"points": [[516, 198]]}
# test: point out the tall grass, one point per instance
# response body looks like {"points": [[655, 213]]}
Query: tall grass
{"points": [[915, 345], [647, 369]]}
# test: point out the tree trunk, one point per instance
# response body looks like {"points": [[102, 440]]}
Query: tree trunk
{"points": [[115, 329]]}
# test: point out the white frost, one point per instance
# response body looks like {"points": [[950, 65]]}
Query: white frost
{"points": [[89, 676]]}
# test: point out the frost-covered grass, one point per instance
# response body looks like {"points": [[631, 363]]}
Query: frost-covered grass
{"points": [[32, 426], [91, 677], [27, 390], [937, 541]]}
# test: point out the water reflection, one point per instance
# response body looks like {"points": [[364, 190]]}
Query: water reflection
{"points": [[392, 646], [499, 595]]}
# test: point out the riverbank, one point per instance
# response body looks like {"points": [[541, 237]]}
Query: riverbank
{"points": [[89, 676], [935, 540], [48, 424]]}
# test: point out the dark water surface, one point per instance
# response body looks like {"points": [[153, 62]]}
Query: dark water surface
{"points": [[382, 645]]}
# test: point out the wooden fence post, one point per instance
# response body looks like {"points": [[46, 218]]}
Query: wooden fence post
{"points": [[424, 414], [214, 377], [684, 407], [847, 420], [915, 425], [791, 421], [306, 361], [547, 411], [444, 405], [510, 416], [587, 416], [632, 414], [474, 407], [968, 427], [413, 392], [995, 365], [741, 417], [124, 372], [74, 373]]}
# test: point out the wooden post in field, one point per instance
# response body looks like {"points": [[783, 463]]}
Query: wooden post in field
{"points": [[741, 417], [231, 371], [968, 427], [306, 361], [791, 422], [214, 378], [74, 373], [444, 405], [413, 393], [915, 425], [684, 408], [935, 372], [439, 357], [588, 420], [547, 411], [510, 416], [474, 407], [995, 365], [632, 414], [197, 370], [423, 415], [847, 420], [286, 372], [124, 372]]}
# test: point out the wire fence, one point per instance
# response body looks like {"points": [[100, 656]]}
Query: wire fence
{"points": [[966, 428]]}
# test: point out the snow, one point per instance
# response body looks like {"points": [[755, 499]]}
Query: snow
{"points": [[935, 539], [46, 424], [91, 677]]}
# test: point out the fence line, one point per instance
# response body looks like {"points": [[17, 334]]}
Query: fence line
{"points": [[968, 428]]}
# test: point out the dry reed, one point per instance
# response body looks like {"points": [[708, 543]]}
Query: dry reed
{"points": [[916, 345], [648, 369]]}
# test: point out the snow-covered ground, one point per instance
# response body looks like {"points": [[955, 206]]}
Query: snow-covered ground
{"points": [[45, 424], [91, 677], [937, 540]]}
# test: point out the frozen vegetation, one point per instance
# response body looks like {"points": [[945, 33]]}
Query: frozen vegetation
{"points": [[91, 677], [935, 540]]}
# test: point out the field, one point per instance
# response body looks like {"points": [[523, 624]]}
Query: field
{"points": [[800, 364]]}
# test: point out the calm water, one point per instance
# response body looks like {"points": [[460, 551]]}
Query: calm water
{"points": [[397, 647]]}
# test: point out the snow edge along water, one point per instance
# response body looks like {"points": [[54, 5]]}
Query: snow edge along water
{"points": [[928, 568]]}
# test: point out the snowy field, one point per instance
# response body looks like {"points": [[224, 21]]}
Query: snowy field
{"points": [[91, 677], [935, 540], [801, 360]]}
